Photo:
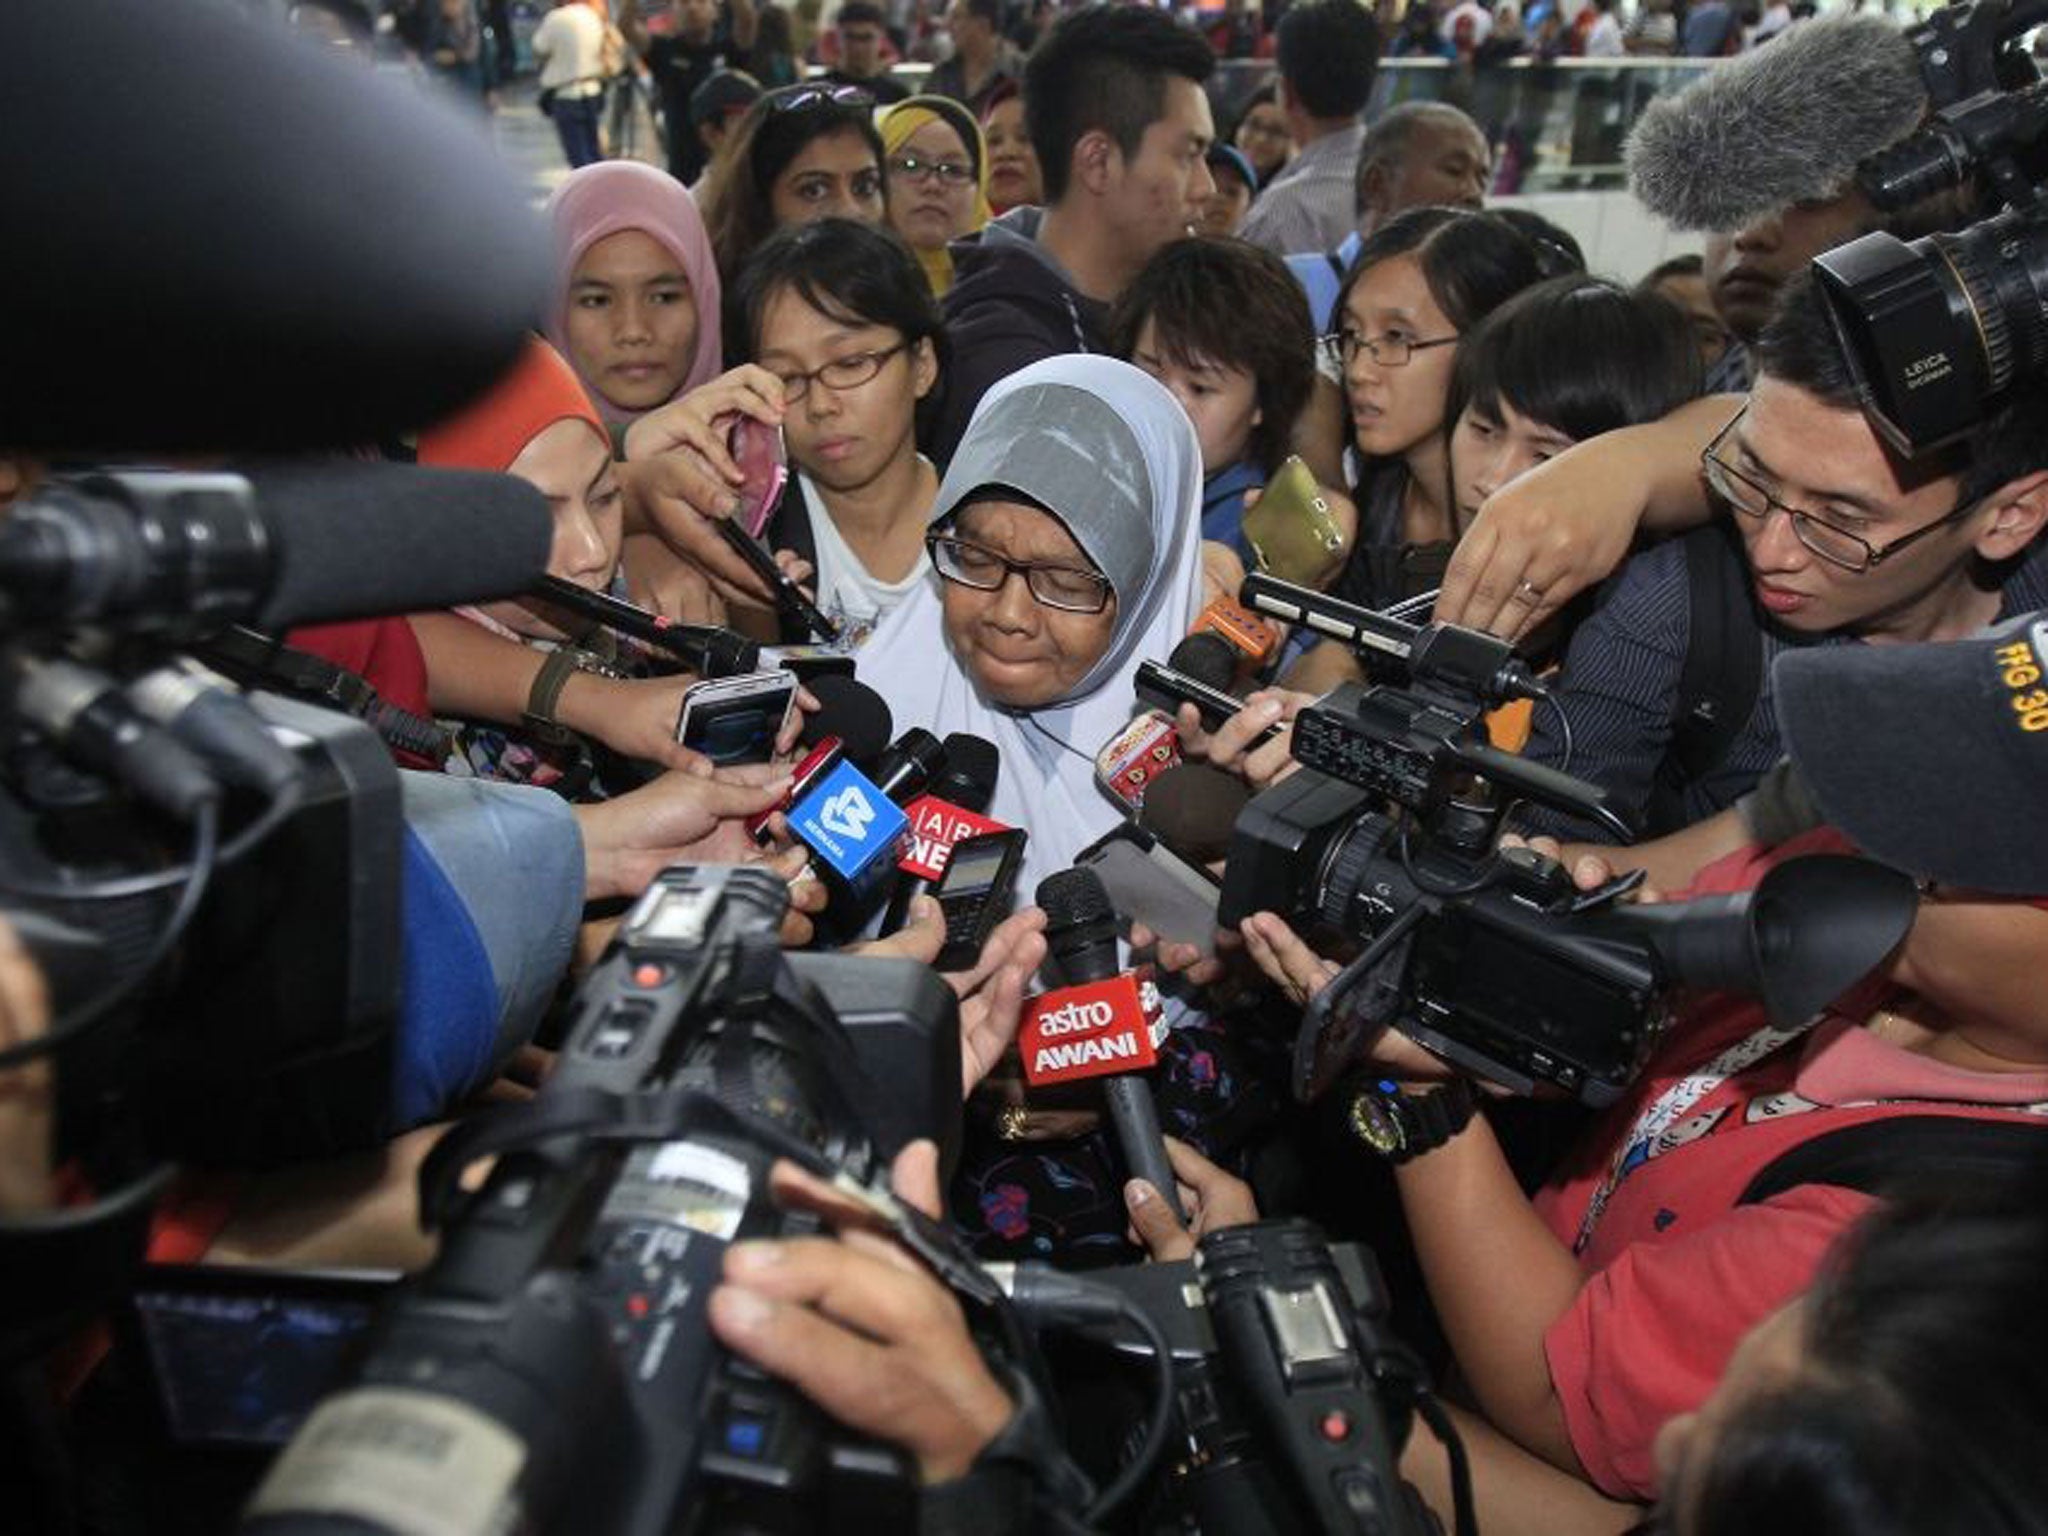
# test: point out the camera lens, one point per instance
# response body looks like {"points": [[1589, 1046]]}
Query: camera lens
{"points": [[1937, 327]]}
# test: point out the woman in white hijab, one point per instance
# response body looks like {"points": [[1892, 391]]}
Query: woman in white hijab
{"points": [[1066, 545]]}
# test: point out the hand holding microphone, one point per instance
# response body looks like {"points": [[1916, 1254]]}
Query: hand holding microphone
{"points": [[1104, 1023]]}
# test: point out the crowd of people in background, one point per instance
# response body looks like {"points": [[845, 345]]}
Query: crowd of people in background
{"points": [[1039, 326]]}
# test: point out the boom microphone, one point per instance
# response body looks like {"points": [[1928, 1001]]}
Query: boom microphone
{"points": [[276, 546], [1783, 125], [328, 257], [1104, 1021]]}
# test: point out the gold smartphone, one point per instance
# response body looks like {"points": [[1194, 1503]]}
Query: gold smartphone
{"points": [[1293, 533]]}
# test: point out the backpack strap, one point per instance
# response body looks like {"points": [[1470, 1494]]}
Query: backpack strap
{"points": [[1722, 675], [1879, 1154]]}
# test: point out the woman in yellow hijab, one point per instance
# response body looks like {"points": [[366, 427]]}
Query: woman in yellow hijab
{"points": [[937, 167]]}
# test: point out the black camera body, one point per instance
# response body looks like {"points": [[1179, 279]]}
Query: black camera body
{"points": [[554, 1367], [1486, 958], [1936, 329], [269, 1036], [1492, 958], [1293, 1399]]}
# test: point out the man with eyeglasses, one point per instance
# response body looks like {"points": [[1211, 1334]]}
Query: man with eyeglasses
{"points": [[1823, 536]]}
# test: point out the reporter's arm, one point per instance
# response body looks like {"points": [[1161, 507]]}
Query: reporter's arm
{"points": [[26, 1092], [1499, 1278], [1541, 540], [1669, 863], [1514, 1493]]}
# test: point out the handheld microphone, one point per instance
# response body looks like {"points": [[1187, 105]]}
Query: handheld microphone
{"points": [[1193, 809], [1250, 638], [950, 812], [853, 712], [816, 763], [854, 822], [1104, 1023], [276, 546], [1137, 755], [84, 714], [1208, 657], [703, 648], [1783, 125]]}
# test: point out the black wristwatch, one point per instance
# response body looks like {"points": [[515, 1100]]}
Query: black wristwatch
{"points": [[1399, 1126]]}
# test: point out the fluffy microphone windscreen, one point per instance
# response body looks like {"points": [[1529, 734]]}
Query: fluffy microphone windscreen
{"points": [[1785, 124], [1193, 809], [358, 540], [852, 711], [222, 237]]}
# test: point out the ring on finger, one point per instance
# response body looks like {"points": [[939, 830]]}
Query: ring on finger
{"points": [[1528, 591]]}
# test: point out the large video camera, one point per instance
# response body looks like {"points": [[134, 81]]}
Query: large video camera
{"points": [[1492, 958], [1936, 328], [553, 1369], [1291, 1400]]}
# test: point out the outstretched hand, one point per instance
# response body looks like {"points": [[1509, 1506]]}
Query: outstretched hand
{"points": [[860, 1328]]}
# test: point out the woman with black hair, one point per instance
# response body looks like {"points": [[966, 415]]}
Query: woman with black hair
{"points": [[1561, 362], [801, 153], [841, 317], [1421, 282]]}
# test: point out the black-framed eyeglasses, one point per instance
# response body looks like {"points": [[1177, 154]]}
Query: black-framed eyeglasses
{"points": [[1065, 587], [954, 173], [1837, 546], [849, 372], [796, 98], [1389, 351]]}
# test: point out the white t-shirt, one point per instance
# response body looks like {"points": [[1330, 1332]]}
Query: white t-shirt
{"points": [[848, 593], [1604, 40], [569, 42]]}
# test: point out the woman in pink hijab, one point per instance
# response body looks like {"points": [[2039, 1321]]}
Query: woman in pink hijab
{"points": [[636, 303]]}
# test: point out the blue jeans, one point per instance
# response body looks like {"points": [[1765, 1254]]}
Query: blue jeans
{"points": [[576, 122]]}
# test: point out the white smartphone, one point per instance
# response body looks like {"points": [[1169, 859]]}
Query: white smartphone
{"points": [[737, 719], [1150, 884]]}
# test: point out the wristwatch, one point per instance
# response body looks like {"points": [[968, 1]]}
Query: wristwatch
{"points": [[1399, 1126], [561, 664]]}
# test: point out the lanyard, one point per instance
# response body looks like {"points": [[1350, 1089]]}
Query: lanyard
{"points": [[1673, 1103]]}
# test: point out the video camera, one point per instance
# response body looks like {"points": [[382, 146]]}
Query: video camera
{"points": [[554, 1368], [1290, 1399], [1936, 328], [1492, 958]]}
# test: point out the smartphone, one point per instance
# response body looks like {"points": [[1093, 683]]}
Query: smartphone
{"points": [[1162, 687], [788, 595], [757, 448], [974, 893], [737, 719], [1293, 533], [1148, 883]]}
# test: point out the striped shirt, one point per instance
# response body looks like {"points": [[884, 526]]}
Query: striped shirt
{"points": [[1621, 681], [1313, 204]]}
